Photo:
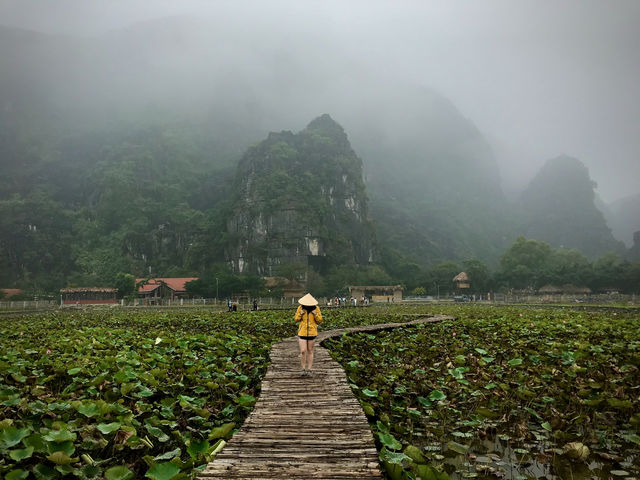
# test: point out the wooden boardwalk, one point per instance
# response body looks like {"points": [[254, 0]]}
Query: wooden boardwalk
{"points": [[304, 427]]}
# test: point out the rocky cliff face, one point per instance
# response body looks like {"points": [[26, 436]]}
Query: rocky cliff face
{"points": [[300, 199]]}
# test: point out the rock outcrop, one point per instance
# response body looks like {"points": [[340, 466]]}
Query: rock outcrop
{"points": [[300, 200]]}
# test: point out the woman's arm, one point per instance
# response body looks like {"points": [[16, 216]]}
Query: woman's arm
{"points": [[298, 315]]}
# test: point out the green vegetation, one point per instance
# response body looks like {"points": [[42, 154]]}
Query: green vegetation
{"points": [[521, 393], [132, 394]]}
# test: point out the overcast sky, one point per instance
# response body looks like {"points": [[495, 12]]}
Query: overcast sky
{"points": [[538, 78]]}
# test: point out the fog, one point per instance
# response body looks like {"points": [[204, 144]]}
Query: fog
{"points": [[538, 79]]}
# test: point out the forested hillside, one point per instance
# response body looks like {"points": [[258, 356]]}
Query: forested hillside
{"points": [[131, 160]]}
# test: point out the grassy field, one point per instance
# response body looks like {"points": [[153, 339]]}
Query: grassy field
{"points": [[508, 392]]}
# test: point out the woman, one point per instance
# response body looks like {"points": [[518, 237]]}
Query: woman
{"points": [[308, 315]]}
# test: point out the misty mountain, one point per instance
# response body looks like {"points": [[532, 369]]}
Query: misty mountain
{"points": [[300, 199], [137, 140], [623, 216], [559, 209]]}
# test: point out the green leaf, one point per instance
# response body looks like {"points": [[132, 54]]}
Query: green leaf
{"points": [[18, 474], [162, 471], [547, 426], [457, 447], [481, 351], [107, 428], [61, 458], [245, 400], [66, 447], [395, 458], [12, 436], [514, 362], [370, 393], [619, 404], [222, 431], [89, 409], [415, 453], [389, 441], [632, 438], [197, 448], [21, 454], [436, 396], [119, 472], [158, 433], [59, 436], [169, 455], [74, 371], [45, 472]]}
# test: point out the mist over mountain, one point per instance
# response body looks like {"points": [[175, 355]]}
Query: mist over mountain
{"points": [[559, 209], [145, 144], [623, 216]]}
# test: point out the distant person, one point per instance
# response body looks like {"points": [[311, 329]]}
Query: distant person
{"points": [[230, 305], [255, 304], [308, 317]]}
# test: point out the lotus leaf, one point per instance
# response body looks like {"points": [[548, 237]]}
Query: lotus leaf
{"points": [[415, 454], [457, 447], [393, 457], [168, 455], [389, 441], [61, 458], [17, 474], [576, 451], [119, 472], [45, 472], [21, 454], [246, 400], [197, 448], [89, 409], [11, 436], [107, 428], [222, 431], [59, 436], [437, 395]]}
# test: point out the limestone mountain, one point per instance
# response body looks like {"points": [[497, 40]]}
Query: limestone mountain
{"points": [[559, 209], [300, 199], [433, 181]]}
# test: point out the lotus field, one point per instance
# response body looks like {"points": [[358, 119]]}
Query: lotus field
{"points": [[497, 393], [503, 393], [120, 395]]}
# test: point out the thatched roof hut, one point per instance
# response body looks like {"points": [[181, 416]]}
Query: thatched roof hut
{"points": [[462, 281]]}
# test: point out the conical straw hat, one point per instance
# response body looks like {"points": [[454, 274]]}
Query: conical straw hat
{"points": [[308, 301]]}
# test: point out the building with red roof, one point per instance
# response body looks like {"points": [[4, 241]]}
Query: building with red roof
{"points": [[10, 292], [153, 289]]}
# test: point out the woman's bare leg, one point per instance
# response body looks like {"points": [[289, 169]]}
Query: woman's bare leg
{"points": [[310, 344], [303, 353]]}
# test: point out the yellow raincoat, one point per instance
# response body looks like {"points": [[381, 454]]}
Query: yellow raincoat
{"points": [[308, 326]]}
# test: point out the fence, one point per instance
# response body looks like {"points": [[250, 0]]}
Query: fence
{"points": [[28, 304]]}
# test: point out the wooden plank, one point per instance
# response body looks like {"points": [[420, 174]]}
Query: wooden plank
{"points": [[304, 427]]}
